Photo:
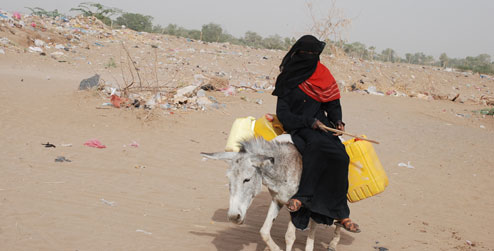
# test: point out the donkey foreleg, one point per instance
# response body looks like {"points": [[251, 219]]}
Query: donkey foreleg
{"points": [[309, 245], [335, 240], [273, 211], [290, 236]]}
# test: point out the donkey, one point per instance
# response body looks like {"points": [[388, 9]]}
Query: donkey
{"points": [[277, 165]]}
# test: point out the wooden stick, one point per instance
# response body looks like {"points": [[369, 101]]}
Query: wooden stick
{"points": [[342, 132]]}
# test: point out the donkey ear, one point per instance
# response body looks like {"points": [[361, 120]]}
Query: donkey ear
{"points": [[262, 161], [220, 155]]}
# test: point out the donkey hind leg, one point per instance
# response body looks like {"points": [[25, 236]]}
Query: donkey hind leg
{"points": [[309, 245], [335, 240], [273, 211], [290, 236]]}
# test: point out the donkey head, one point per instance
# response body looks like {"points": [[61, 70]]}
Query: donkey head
{"points": [[245, 179]]}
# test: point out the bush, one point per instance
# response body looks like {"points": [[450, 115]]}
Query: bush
{"points": [[135, 21], [211, 32]]}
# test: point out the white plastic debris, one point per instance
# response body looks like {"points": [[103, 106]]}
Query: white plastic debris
{"points": [[373, 90], [201, 93], [143, 231], [186, 90], [4, 41], [39, 43], [109, 203], [406, 165], [203, 101], [35, 49], [57, 53]]}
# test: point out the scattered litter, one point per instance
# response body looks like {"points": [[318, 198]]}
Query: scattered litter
{"points": [[57, 54], [470, 243], [143, 231], [406, 165], [482, 126], [228, 91], [62, 159], [381, 248], [35, 49], [373, 90], [139, 167], [39, 43], [2, 51], [66, 145], [89, 83], [134, 144], [116, 101], [4, 41], [47, 145], [94, 143], [109, 203], [16, 15]]}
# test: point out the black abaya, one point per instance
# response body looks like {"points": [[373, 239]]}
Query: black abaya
{"points": [[324, 182]]}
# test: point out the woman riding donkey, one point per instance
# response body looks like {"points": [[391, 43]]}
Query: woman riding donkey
{"points": [[308, 99]]}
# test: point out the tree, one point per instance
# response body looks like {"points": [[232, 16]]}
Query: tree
{"points": [[356, 50], [252, 39], [372, 52], [443, 58], [211, 32], [135, 21], [273, 42], [37, 11], [388, 55], [408, 58], [97, 10], [171, 29], [289, 42]]}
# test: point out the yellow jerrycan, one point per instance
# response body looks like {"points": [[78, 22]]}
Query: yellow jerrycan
{"points": [[268, 127], [242, 129], [366, 176]]}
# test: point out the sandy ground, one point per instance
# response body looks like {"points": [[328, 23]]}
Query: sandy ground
{"points": [[176, 201]]}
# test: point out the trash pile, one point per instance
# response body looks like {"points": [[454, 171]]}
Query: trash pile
{"points": [[149, 70], [414, 81]]}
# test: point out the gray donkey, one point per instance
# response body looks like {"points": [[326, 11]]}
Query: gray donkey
{"points": [[276, 165]]}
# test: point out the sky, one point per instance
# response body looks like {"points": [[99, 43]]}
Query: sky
{"points": [[458, 28]]}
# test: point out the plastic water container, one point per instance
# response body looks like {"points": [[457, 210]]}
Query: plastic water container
{"points": [[242, 129], [268, 127], [366, 174]]}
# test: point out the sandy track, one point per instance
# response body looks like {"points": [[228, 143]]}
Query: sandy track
{"points": [[179, 202]]}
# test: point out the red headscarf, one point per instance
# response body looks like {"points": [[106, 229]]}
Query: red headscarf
{"points": [[321, 86]]}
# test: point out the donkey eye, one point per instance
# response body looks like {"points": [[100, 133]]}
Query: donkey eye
{"points": [[246, 180]]}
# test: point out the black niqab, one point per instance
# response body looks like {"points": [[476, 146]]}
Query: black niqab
{"points": [[298, 64]]}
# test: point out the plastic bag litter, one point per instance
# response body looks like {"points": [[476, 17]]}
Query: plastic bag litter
{"points": [[143, 231], [94, 143], [229, 91], [407, 165], [62, 159], [35, 49], [109, 203]]}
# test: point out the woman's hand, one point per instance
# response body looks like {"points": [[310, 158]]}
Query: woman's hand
{"points": [[340, 126], [318, 125]]}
